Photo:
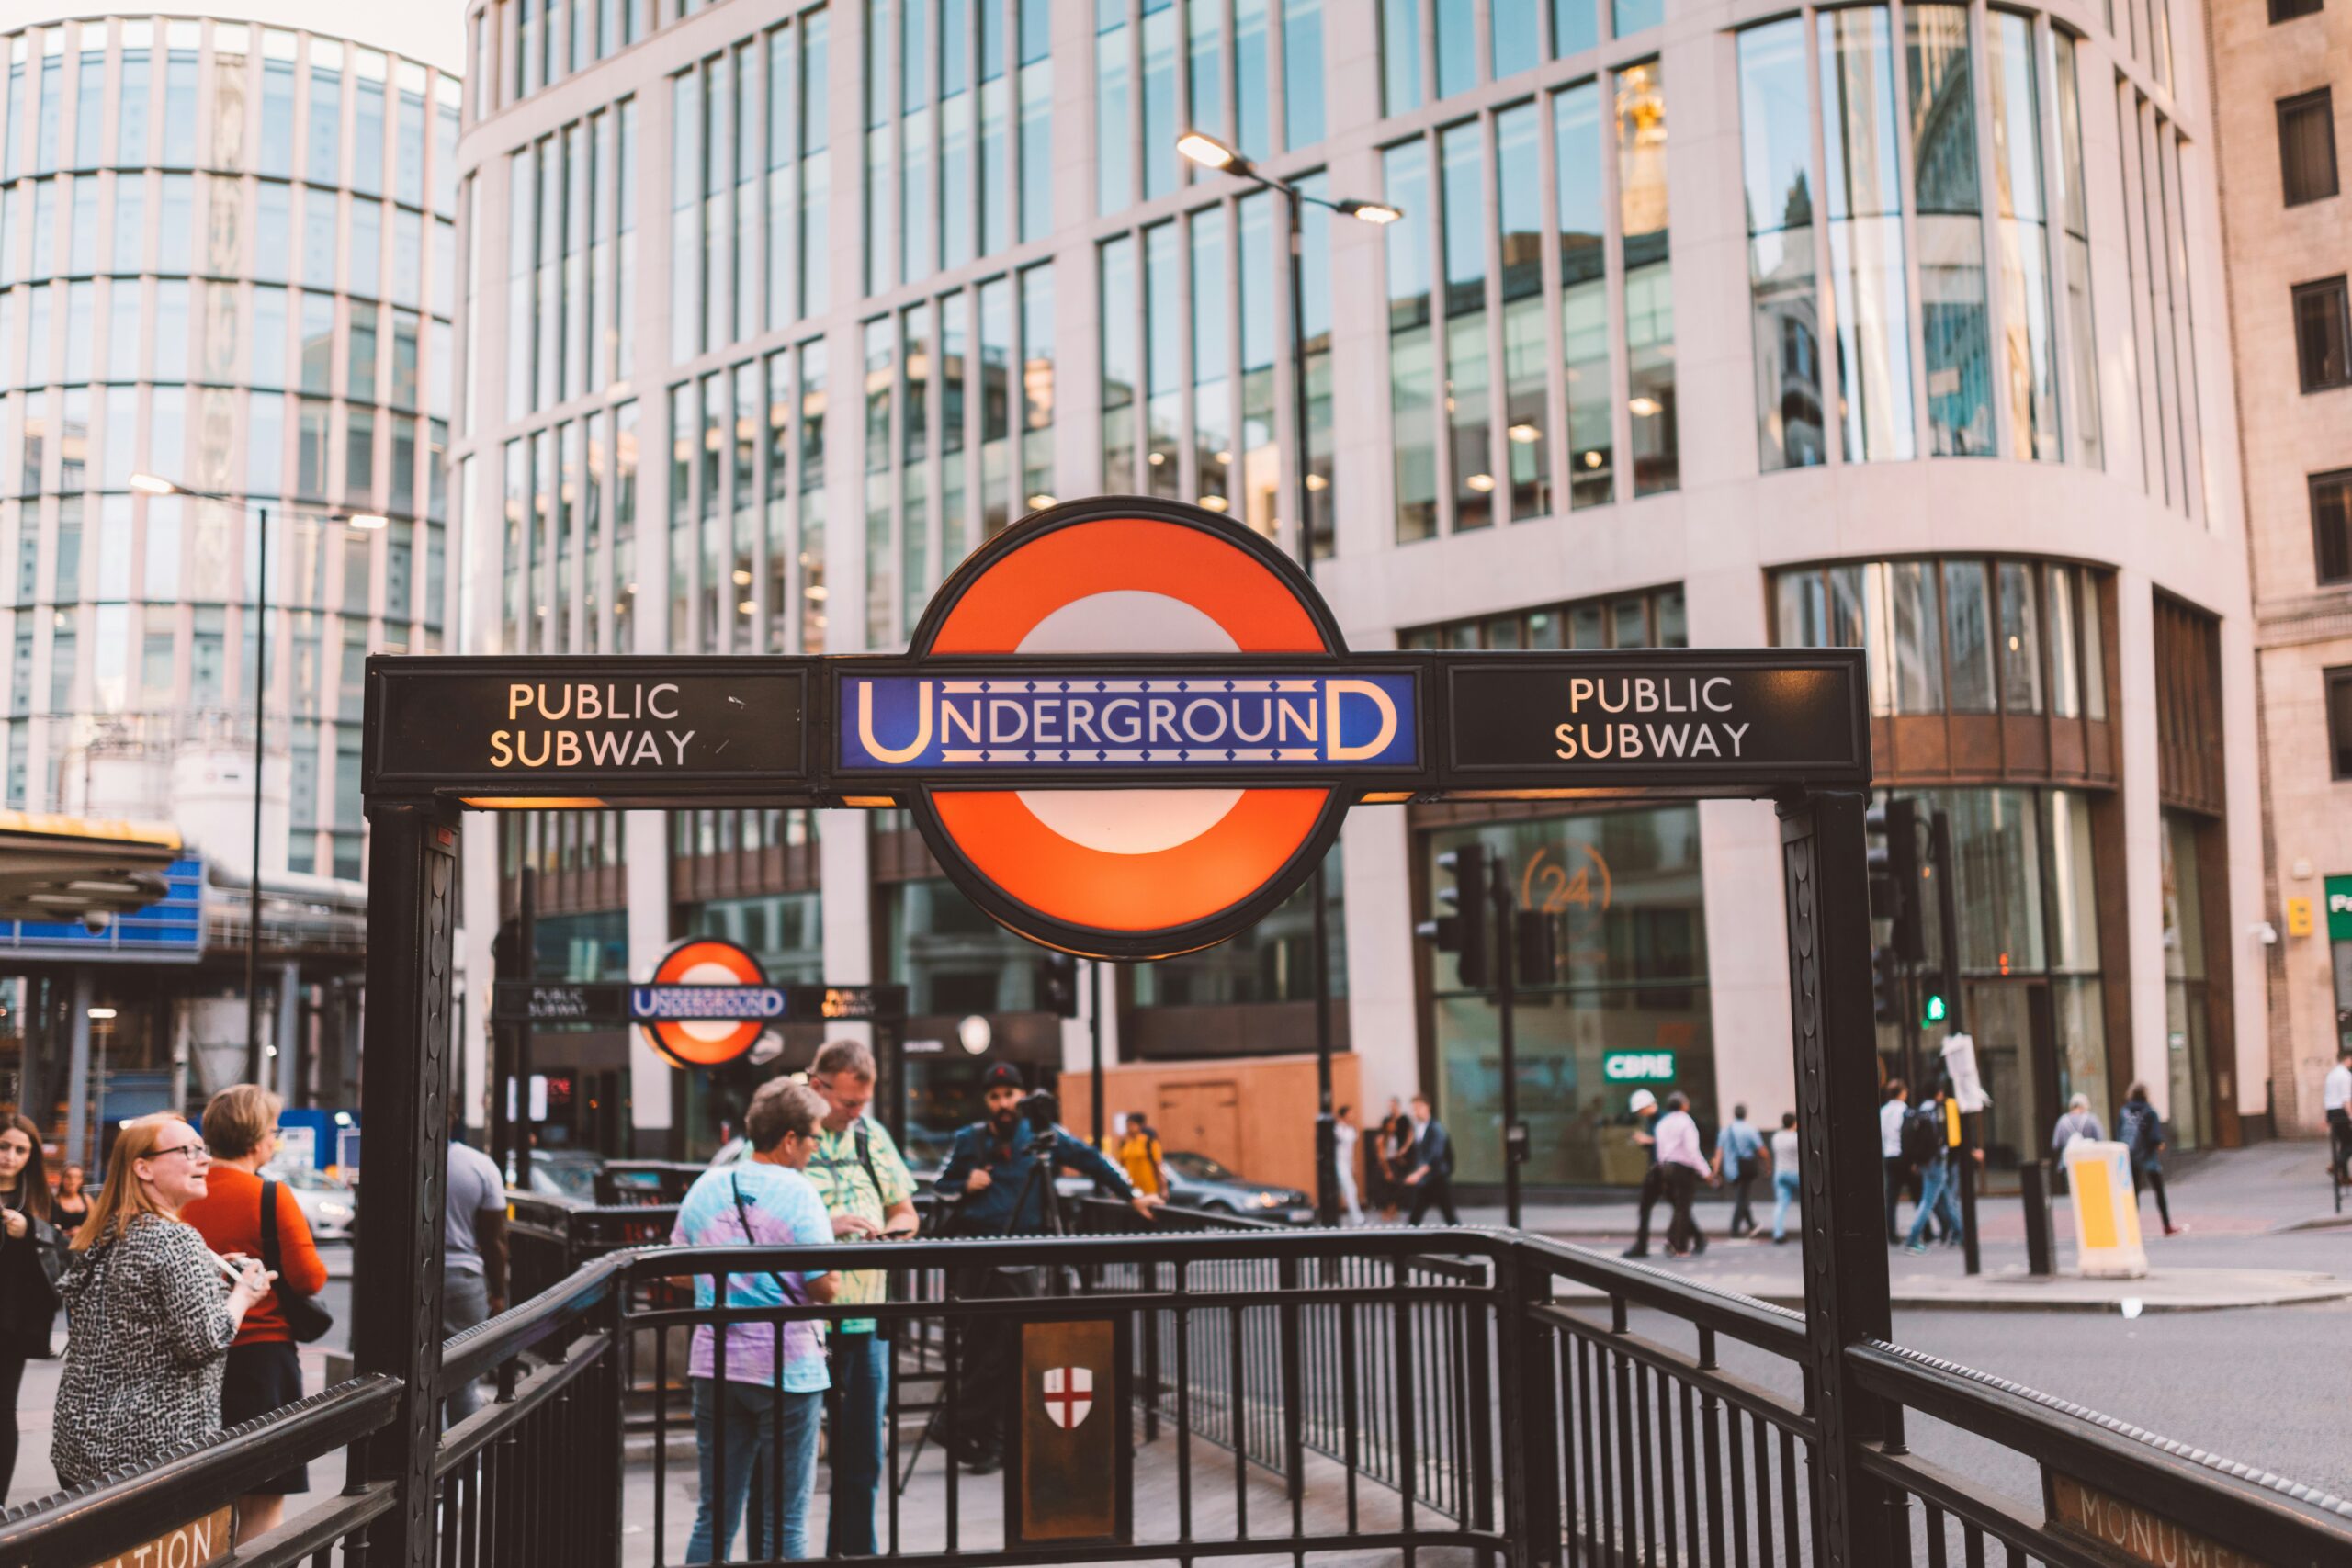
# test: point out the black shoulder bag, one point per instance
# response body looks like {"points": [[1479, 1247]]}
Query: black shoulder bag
{"points": [[306, 1320]]}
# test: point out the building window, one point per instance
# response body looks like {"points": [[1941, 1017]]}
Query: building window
{"points": [[2340, 723], [2332, 524], [2307, 146], [2324, 334], [1655, 619], [2287, 11]]}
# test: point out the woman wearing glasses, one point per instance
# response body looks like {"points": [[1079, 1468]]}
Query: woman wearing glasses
{"points": [[148, 1314]]}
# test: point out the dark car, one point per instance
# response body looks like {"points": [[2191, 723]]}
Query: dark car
{"points": [[1197, 1181]]}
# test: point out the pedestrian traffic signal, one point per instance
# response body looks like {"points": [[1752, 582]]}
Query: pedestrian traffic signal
{"points": [[1886, 999], [1932, 1007], [1460, 927], [1057, 985], [1535, 948]]}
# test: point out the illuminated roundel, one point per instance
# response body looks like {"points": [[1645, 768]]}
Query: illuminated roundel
{"points": [[1135, 873], [703, 1041]]}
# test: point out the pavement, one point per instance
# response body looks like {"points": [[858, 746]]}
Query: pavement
{"points": [[2259, 1230]]}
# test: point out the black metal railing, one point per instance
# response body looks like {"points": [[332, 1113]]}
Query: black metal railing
{"points": [[1293, 1390]]}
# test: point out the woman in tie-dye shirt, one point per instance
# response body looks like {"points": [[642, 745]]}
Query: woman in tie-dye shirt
{"points": [[761, 1413]]}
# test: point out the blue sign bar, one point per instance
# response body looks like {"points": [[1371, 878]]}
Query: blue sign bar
{"points": [[1314, 723], [697, 1004], [172, 928]]}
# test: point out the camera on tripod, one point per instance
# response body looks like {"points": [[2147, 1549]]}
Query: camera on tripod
{"points": [[1042, 1112]]}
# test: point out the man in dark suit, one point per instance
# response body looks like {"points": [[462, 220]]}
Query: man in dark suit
{"points": [[1432, 1179]]}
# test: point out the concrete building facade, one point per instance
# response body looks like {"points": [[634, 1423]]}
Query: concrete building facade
{"points": [[2279, 69], [1897, 325]]}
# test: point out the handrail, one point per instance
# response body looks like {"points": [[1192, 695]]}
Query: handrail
{"points": [[94, 1522], [1137, 1246], [472, 1352], [2259, 1513], [1743, 1319]]}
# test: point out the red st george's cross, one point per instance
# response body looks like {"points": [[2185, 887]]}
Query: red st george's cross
{"points": [[1070, 1394]]}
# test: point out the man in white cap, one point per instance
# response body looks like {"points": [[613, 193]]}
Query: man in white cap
{"points": [[1643, 1105]]}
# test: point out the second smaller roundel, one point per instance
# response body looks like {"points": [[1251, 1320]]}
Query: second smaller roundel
{"points": [[709, 1042]]}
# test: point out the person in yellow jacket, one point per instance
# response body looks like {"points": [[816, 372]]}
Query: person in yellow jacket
{"points": [[1140, 1155]]}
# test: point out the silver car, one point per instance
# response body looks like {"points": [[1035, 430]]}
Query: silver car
{"points": [[329, 1206]]}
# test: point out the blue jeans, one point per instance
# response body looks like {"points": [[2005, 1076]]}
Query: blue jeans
{"points": [[1785, 1192], [860, 1398], [1938, 1194], [761, 1425]]}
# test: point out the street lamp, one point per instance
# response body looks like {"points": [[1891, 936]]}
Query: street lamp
{"points": [[153, 484], [1210, 154]]}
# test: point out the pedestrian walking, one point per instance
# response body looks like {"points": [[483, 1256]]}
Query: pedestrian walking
{"points": [[1684, 1165], [71, 1205], [1740, 1158], [2079, 1122], [1927, 1147], [2140, 1130], [239, 1213], [474, 1230], [1343, 1158], [1784, 1173], [1644, 1106], [2335, 1100], [1432, 1177], [1396, 1147], [758, 1412], [1891, 1113], [31, 1252], [1140, 1155], [870, 1196], [149, 1314]]}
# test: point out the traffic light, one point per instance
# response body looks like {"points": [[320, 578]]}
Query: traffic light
{"points": [[1057, 985], [1460, 927], [1932, 1006], [1535, 951], [1887, 987], [1896, 896]]}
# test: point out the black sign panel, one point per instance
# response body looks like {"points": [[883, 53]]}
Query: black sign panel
{"points": [[612, 1002], [612, 730], [1664, 719]]}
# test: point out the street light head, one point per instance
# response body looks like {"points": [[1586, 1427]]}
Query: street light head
{"points": [[1374, 212], [369, 520], [1207, 151], [149, 484]]}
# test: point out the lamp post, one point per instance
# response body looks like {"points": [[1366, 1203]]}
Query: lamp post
{"points": [[1211, 154], [152, 484]]}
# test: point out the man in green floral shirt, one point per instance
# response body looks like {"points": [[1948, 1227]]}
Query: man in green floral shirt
{"points": [[867, 1189]]}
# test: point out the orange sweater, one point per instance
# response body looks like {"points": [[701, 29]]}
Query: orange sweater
{"points": [[229, 1218]]}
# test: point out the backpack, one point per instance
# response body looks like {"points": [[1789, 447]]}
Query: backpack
{"points": [[1923, 1135]]}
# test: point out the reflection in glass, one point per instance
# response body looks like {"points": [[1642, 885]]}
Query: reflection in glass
{"points": [[2073, 214], [1121, 364], [1864, 192], [1584, 294], [1212, 386], [1968, 625], [1163, 325], [1776, 156], [2029, 354], [2020, 648], [1412, 369], [1950, 228], [1649, 285], [1462, 158]]}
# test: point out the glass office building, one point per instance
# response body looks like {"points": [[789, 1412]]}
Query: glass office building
{"points": [[1889, 325]]}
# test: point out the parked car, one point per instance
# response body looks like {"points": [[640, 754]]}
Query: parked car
{"points": [[562, 1173], [1197, 1182], [329, 1206]]}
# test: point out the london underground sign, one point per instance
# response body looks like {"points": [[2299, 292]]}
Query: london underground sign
{"points": [[1125, 727]]}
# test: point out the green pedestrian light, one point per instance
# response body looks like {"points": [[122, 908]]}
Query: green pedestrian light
{"points": [[1934, 1010]]}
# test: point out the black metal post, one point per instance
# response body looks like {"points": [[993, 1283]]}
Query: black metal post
{"points": [[1527, 1361], [1861, 1522], [2033, 1186], [396, 1272], [1504, 955], [1327, 1137], [1947, 948], [261, 732], [1094, 1050], [526, 936]]}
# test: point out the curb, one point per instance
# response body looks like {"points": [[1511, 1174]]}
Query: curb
{"points": [[2022, 1298]]}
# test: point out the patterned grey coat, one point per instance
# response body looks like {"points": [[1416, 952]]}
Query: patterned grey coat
{"points": [[147, 1334]]}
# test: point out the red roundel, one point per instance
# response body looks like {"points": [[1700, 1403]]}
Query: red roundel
{"points": [[705, 1042], [1129, 872]]}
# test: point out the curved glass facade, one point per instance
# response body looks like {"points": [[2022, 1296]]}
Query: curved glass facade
{"points": [[227, 258]]}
